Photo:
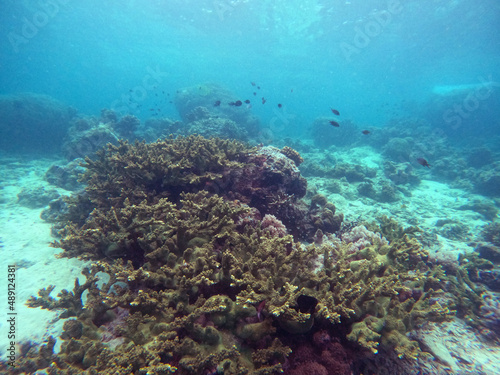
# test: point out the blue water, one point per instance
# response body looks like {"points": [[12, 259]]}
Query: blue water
{"points": [[373, 59], [417, 85]]}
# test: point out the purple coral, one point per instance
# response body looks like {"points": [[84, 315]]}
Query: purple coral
{"points": [[273, 226]]}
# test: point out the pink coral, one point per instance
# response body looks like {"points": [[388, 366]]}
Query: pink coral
{"points": [[359, 237], [273, 226]]}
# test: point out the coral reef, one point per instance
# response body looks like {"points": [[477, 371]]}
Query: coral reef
{"points": [[196, 268], [33, 123], [491, 233], [400, 173], [36, 197], [486, 181], [487, 209], [196, 104], [292, 154], [65, 176]]}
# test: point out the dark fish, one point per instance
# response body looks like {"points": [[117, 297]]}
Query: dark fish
{"points": [[423, 162], [238, 103], [255, 93], [247, 101], [334, 123], [258, 87], [263, 100], [279, 105], [217, 103], [335, 112], [252, 83], [365, 132]]}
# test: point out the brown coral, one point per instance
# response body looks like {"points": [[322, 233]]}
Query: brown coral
{"points": [[292, 154]]}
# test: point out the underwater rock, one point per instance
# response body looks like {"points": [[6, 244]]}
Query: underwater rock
{"points": [[491, 233], [454, 231], [388, 193], [487, 181], [158, 128], [33, 123], [366, 189], [84, 143], [36, 197], [398, 149], [66, 176], [479, 157], [489, 251], [487, 209], [400, 173], [490, 278], [126, 126], [204, 96], [352, 172], [215, 127]]}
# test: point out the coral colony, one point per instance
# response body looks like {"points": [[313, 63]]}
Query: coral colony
{"points": [[210, 256], [206, 259]]}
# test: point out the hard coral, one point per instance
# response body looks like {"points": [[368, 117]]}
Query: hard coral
{"points": [[196, 281], [292, 154]]}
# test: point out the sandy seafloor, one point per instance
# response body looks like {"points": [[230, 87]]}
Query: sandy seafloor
{"points": [[25, 240]]}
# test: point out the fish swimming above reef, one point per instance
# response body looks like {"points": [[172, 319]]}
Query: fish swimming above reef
{"points": [[237, 103], [217, 103], [335, 112], [423, 162], [366, 132], [334, 123]]}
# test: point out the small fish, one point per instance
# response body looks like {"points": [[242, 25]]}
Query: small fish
{"points": [[254, 93], [252, 83], [365, 132], [217, 103], [238, 103], [247, 101], [258, 87], [334, 123], [335, 112], [423, 162], [280, 105], [263, 100]]}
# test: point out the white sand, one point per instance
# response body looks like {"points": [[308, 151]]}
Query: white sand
{"points": [[25, 239]]}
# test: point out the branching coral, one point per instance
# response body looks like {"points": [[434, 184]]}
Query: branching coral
{"points": [[195, 280]]}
